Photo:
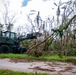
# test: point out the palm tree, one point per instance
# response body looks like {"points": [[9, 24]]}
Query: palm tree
{"points": [[58, 10], [60, 6]]}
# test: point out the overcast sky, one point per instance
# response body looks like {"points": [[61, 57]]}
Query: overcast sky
{"points": [[23, 7]]}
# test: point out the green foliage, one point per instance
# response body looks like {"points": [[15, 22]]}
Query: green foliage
{"points": [[63, 27], [71, 53], [25, 44], [13, 56], [74, 31], [54, 46], [8, 72], [71, 59], [60, 32]]}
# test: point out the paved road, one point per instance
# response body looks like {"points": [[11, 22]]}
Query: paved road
{"points": [[58, 68]]}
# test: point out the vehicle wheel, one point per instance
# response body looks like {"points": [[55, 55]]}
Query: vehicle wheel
{"points": [[22, 50], [4, 49]]}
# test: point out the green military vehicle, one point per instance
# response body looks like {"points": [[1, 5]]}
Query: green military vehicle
{"points": [[10, 43]]}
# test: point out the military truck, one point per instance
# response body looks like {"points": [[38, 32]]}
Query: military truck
{"points": [[10, 43]]}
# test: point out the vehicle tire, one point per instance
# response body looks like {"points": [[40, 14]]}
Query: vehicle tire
{"points": [[22, 50], [4, 49]]}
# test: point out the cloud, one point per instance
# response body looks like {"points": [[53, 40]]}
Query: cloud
{"points": [[25, 6], [45, 8]]}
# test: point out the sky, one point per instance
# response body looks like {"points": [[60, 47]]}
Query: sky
{"points": [[23, 8]]}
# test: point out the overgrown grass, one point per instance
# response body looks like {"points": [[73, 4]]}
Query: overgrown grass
{"points": [[8, 72], [43, 58]]}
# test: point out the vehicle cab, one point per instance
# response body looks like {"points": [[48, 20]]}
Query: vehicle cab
{"points": [[8, 34]]}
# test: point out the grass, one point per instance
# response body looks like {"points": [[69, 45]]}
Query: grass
{"points": [[8, 72], [44, 58], [13, 56]]}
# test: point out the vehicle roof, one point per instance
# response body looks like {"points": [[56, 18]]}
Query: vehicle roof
{"points": [[9, 31]]}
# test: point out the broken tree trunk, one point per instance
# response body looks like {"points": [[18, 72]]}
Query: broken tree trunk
{"points": [[39, 43]]}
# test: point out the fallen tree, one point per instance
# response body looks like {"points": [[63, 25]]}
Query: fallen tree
{"points": [[58, 31], [40, 42]]}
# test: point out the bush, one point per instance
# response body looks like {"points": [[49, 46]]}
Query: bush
{"points": [[35, 53]]}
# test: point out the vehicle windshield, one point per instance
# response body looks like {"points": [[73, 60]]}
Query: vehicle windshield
{"points": [[13, 35], [6, 34], [9, 34], [3, 34]]}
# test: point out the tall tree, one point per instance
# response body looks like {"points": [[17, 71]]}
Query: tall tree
{"points": [[8, 15]]}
